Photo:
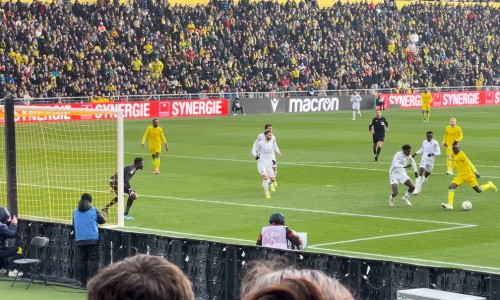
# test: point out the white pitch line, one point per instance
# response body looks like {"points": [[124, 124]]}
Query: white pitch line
{"points": [[393, 235], [188, 234], [308, 210], [305, 164], [364, 255]]}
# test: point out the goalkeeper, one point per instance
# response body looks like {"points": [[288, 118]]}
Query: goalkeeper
{"points": [[156, 137], [128, 173]]}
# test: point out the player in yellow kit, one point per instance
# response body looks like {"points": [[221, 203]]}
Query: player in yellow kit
{"points": [[426, 105], [453, 133], [466, 173], [156, 138]]}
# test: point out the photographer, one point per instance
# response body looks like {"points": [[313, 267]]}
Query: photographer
{"points": [[8, 230]]}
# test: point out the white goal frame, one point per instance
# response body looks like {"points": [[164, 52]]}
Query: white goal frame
{"points": [[119, 145]]}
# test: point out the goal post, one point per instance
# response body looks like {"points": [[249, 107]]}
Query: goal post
{"points": [[54, 154]]}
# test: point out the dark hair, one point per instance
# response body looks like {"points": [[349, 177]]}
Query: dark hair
{"points": [[406, 147], [267, 131], [140, 277], [277, 218], [155, 120], [267, 126], [86, 196], [137, 160], [430, 132]]}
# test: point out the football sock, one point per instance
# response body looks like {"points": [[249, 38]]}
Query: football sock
{"points": [[407, 195], [374, 149], [266, 185], [378, 150], [157, 163], [451, 196], [449, 165], [353, 115], [418, 182], [115, 199], [130, 201]]}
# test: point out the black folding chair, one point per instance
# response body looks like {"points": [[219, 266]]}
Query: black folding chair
{"points": [[38, 245]]}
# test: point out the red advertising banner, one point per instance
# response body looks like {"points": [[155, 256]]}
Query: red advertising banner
{"points": [[445, 99], [133, 110]]}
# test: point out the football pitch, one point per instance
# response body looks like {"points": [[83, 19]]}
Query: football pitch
{"points": [[328, 185]]}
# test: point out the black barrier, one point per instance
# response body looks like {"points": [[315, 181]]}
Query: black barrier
{"points": [[304, 104], [214, 268]]}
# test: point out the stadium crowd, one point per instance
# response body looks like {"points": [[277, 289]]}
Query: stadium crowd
{"points": [[106, 49]]}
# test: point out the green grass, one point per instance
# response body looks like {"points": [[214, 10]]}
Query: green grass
{"points": [[329, 186], [39, 291]]}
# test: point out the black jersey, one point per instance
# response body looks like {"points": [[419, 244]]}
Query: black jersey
{"points": [[379, 125], [129, 172]]}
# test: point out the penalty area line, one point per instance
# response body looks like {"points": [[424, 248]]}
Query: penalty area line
{"points": [[392, 235]]}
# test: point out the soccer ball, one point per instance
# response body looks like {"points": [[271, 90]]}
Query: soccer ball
{"points": [[466, 205]]}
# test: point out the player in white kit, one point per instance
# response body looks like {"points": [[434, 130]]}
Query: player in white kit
{"points": [[430, 148], [263, 153], [356, 104], [397, 174], [261, 137]]}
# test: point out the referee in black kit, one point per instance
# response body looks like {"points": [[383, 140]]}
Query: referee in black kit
{"points": [[378, 127]]}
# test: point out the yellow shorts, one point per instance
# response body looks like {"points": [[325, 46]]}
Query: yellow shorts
{"points": [[426, 107], [153, 149], [470, 179], [449, 151]]}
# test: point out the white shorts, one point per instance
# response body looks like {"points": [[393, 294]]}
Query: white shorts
{"points": [[397, 176], [427, 163], [266, 169], [356, 105]]}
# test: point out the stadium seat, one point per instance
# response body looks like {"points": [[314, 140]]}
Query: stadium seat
{"points": [[38, 246]]}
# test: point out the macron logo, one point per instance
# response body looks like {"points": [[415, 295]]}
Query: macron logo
{"points": [[274, 103]]}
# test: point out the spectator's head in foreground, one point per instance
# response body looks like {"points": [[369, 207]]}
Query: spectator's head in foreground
{"points": [[140, 277]]}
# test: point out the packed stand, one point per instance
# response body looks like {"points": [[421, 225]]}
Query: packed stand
{"points": [[146, 48]]}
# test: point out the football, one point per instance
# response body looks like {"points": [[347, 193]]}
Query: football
{"points": [[466, 205]]}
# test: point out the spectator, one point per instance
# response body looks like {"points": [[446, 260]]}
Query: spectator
{"points": [[140, 277], [269, 280], [86, 219], [381, 51], [8, 230]]}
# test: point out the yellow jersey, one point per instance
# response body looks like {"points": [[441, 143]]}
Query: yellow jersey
{"points": [[426, 100], [452, 134], [155, 135], [463, 164]]}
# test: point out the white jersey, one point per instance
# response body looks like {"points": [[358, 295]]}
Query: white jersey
{"points": [[265, 150], [356, 101], [400, 161], [262, 137], [432, 147], [397, 173]]}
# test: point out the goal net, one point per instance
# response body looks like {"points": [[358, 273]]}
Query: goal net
{"points": [[61, 153]]}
